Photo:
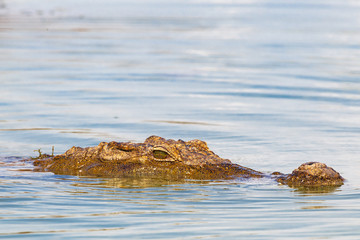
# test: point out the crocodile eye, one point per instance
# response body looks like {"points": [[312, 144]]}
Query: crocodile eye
{"points": [[162, 155], [159, 154]]}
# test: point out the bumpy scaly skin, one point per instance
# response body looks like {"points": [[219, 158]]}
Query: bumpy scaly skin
{"points": [[171, 159], [312, 174]]}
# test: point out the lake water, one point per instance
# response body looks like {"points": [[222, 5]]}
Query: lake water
{"points": [[267, 84]]}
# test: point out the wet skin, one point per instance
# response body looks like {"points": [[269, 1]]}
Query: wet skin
{"points": [[172, 159]]}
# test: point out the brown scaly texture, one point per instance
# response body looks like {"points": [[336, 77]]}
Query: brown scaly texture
{"points": [[312, 174], [172, 160]]}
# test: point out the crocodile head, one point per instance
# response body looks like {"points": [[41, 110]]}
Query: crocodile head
{"points": [[156, 156], [170, 159]]}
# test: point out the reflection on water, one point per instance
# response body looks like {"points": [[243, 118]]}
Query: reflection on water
{"points": [[314, 207], [316, 190], [135, 182], [267, 84]]}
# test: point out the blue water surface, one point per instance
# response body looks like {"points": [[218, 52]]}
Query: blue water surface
{"points": [[267, 84]]}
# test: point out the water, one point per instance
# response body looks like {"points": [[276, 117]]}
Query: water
{"points": [[268, 84]]}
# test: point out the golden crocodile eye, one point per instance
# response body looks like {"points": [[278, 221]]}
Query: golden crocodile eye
{"points": [[162, 155], [159, 154]]}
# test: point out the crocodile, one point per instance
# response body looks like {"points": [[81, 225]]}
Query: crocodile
{"points": [[168, 158]]}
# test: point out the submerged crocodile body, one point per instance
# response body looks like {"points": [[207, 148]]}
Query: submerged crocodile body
{"points": [[172, 159]]}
